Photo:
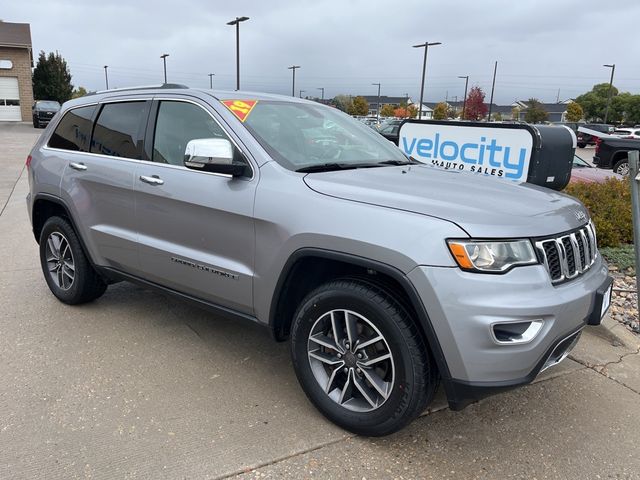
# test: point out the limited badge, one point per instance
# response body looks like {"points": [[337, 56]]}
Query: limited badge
{"points": [[240, 108]]}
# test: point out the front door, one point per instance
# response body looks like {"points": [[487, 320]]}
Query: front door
{"points": [[196, 229]]}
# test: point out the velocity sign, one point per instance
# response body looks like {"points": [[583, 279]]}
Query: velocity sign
{"points": [[498, 152]]}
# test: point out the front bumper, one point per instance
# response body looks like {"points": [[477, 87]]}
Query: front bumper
{"points": [[463, 307]]}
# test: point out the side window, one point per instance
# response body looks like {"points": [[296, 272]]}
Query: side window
{"points": [[74, 130], [176, 124], [118, 130]]}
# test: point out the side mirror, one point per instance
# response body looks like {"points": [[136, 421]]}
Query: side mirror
{"points": [[212, 155]]}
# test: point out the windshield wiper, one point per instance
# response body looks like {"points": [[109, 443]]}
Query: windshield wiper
{"points": [[327, 167], [410, 161]]}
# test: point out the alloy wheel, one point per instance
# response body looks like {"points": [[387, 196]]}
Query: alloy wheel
{"points": [[351, 360], [59, 260]]}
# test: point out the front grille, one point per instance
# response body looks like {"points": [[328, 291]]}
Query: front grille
{"points": [[570, 255]]}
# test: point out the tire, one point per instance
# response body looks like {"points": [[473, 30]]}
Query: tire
{"points": [[582, 145], [66, 269], [621, 167], [406, 380], [36, 123]]}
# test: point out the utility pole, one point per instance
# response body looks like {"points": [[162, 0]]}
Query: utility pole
{"points": [[426, 46], [236, 22], [558, 97], [634, 177], [378, 108], [164, 63], [606, 112], [406, 105], [293, 85], [106, 77], [321, 88], [493, 87], [211, 75], [301, 92], [464, 102]]}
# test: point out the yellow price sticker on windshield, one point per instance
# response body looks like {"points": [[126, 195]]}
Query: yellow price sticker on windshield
{"points": [[240, 108]]}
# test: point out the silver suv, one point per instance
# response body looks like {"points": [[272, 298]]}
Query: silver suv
{"points": [[387, 276]]}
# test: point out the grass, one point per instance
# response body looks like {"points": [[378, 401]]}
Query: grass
{"points": [[622, 257]]}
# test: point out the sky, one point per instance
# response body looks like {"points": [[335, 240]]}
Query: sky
{"points": [[546, 49]]}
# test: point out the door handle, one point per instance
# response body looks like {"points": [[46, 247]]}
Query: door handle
{"points": [[153, 180], [78, 166]]}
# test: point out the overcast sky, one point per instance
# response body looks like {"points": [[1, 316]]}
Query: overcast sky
{"points": [[541, 46]]}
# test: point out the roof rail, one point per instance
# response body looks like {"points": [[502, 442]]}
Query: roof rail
{"points": [[142, 87]]}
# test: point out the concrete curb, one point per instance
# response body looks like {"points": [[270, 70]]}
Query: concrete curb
{"points": [[620, 332]]}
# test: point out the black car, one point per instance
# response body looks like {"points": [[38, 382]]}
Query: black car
{"points": [[585, 139], [43, 111]]}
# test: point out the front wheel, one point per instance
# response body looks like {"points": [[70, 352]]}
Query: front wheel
{"points": [[582, 145], [67, 271], [622, 167], [360, 358]]}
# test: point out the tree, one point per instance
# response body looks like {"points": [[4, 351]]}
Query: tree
{"points": [[632, 112], [496, 117], [594, 103], [342, 102], [475, 108], [387, 110], [574, 112], [78, 92], [359, 106], [535, 113], [51, 78], [441, 111], [515, 113]]}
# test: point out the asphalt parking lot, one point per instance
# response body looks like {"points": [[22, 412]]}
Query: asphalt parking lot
{"points": [[139, 385]]}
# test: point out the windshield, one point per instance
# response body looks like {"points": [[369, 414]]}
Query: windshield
{"points": [[51, 105], [300, 135]]}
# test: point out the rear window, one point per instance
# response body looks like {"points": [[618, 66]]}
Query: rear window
{"points": [[118, 130], [74, 130]]}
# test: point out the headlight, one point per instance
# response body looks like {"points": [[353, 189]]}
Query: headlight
{"points": [[492, 256]]}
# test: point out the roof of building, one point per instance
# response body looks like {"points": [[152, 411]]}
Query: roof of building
{"points": [[15, 34]]}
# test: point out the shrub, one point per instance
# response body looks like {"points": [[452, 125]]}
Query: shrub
{"points": [[623, 257], [609, 204]]}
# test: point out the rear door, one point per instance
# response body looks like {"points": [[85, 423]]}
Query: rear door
{"points": [[196, 229], [98, 184]]}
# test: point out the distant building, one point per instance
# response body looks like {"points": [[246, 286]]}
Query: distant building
{"points": [[372, 101], [557, 112], [16, 61]]}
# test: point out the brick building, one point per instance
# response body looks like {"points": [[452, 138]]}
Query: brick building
{"points": [[16, 60]]}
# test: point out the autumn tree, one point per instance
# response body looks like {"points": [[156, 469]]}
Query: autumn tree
{"points": [[387, 110], [359, 106], [475, 108], [496, 117], [535, 113], [574, 112], [441, 111], [51, 78]]}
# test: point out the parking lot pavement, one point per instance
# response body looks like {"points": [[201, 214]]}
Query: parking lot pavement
{"points": [[17, 140], [139, 385]]}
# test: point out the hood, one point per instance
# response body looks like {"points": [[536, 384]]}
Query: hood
{"points": [[484, 207]]}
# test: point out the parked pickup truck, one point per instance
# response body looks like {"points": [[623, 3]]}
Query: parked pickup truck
{"points": [[385, 275], [611, 152]]}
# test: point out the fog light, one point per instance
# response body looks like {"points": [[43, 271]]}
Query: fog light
{"points": [[515, 332]]}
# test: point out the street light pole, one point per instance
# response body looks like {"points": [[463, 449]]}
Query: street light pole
{"points": [[493, 87], [606, 112], [426, 46], [322, 88], [378, 104], [211, 75], [293, 85], [164, 63], [106, 77], [464, 102], [236, 22], [406, 105]]}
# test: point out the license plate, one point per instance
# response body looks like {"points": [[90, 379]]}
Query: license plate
{"points": [[606, 301]]}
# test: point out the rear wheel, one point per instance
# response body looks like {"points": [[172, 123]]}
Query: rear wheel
{"points": [[360, 358], [67, 271], [622, 167], [582, 145]]}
